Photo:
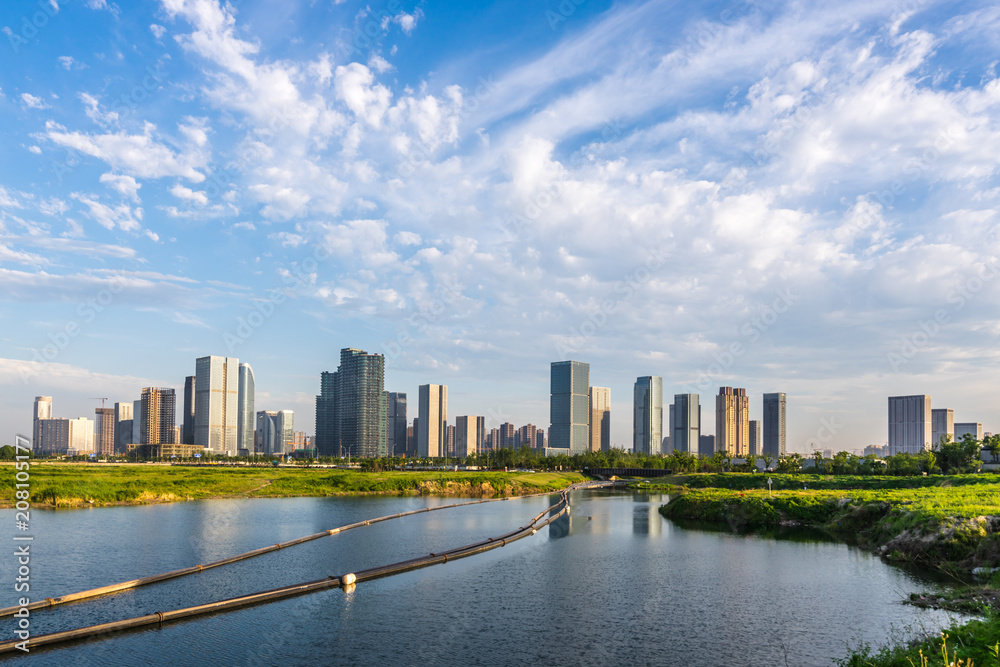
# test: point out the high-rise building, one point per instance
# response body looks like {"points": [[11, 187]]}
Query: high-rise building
{"points": [[774, 425], [43, 410], [909, 424], [396, 428], [706, 445], [756, 437], [66, 436], [540, 439], [732, 421], [942, 424], [275, 432], [136, 423], [352, 407], [600, 419], [647, 415], [975, 429], [104, 431], [123, 426], [686, 422], [569, 406], [470, 435], [433, 410], [216, 403], [526, 435], [508, 439], [449, 439], [245, 410], [187, 430], [158, 408]]}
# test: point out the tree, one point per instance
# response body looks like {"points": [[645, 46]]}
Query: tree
{"points": [[768, 460]]}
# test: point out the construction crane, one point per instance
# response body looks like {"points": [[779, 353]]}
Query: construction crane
{"points": [[99, 398]]}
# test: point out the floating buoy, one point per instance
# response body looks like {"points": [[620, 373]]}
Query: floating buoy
{"points": [[348, 579]]}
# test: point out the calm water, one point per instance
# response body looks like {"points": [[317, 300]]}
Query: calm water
{"points": [[614, 583]]}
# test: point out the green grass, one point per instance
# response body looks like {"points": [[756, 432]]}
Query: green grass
{"points": [[975, 643], [74, 485]]}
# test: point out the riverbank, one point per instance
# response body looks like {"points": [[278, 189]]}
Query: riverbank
{"points": [[946, 523], [61, 485]]}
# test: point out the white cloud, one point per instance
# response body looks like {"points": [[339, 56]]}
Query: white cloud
{"points": [[355, 86], [124, 185], [407, 238], [109, 217], [35, 149], [31, 102], [157, 30], [189, 195]]}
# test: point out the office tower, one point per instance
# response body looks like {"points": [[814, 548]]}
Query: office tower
{"points": [[396, 427], [123, 426], [158, 405], [66, 436], [774, 425], [687, 423], [275, 432], [244, 409], [104, 431], [647, 415], [470, 435], [942, 424], [706, 445], [352, 407], [975, 429], [756, 432], [909, 424], [187, 430], [433, 410], [600, 419], [569, 406], [216, 403], [136, 423], [732, 421], [43, 410], [507, 439]]}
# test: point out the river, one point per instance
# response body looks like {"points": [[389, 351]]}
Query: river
{"points": [[613, 583]]}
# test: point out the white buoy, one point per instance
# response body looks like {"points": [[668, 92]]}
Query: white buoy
{"points": [[348, 579]]}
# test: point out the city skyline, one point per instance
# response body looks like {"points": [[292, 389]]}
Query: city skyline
{"points": [[683, 191]]}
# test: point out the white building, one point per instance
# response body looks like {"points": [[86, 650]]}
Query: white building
{"points": [[909, 424], [216, 404]]}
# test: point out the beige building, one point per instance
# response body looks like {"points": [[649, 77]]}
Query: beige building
{"points": [[433, 414], [600, 419], [732, 421]]}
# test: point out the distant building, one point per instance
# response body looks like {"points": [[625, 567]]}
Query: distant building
{"points": [[526, 435], [647, 415], [136, 422], [187, 428], [540, 439], [569, 406], [732, 421], [706, 446], [449, 439], [975, 429], [942, 424], [216, 409], [508, 439], [123, 426], [352, 407], [774, 425], [909, 424], [875, 450], [756, 437], [600, 419], [433, 410], [43, 410], [275, 433], [686, 423], [396, 441], [470, 435], [157, 416], [104, 431], [245, 410], [667, 446], [67, 436]]}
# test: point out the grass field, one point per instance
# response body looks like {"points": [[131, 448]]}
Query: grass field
{"points": [[70, 485]]}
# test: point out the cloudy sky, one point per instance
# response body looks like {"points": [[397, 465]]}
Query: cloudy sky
{"points": [[779, 196]]}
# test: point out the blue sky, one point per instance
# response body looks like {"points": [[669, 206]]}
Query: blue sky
{"points": [[777, 196]]}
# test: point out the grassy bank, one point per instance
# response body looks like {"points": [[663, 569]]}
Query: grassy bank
{"points": [[69, 485]]}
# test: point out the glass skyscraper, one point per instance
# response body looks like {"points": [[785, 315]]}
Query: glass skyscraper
{"points": [[244, 424], [774, 424], [686, 423], [647, 420], [352, 407], [216, 403], [569, 406]]}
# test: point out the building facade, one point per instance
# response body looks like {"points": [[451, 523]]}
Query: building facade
{"points": [[647, 415], [942, 425], [975, 429], [909, 424], [275, 433], [397, 444], [732, 421], [187, 427], [104, 431], [157, 416], [216, 406], [600, 419], [42, 410], [470, 435], [123, 426], [686, 423], [352, 407], [774, 425], [432, 410], [245, 410], [569, 406], [756, 437]]}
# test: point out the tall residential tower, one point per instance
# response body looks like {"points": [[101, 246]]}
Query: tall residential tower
{"points": [[569, 406]]}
